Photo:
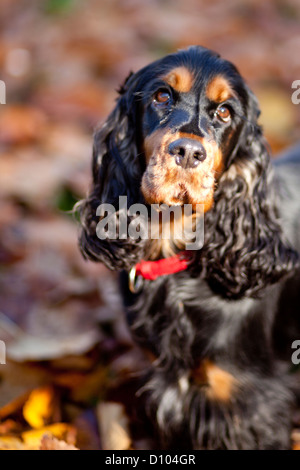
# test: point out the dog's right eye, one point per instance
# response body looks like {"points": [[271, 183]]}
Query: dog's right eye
{"points": [[162, 97]]}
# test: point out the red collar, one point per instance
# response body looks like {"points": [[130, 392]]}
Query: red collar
{"points": [[151, 270]]}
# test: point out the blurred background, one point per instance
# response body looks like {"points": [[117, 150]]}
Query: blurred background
{"points": [[71, 370]]}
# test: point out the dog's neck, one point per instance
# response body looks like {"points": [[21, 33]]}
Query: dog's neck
{"points": [[172, 237]]}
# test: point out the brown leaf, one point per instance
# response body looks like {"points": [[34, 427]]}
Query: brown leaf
{"points": [[13, 406], [83, 100], [91, 386], [20, 124], [9, 427], [16, 384]]}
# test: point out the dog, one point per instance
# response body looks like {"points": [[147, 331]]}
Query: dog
{"points": [[184, 131]]}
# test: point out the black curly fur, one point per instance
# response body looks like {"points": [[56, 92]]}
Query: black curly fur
{"points": [[244, 249], [115, 153], [222, 308]]}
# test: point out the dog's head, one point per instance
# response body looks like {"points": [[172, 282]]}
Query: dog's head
{"points": [[184, 131], [194, 108]]}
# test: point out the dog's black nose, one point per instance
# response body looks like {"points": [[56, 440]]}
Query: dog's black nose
{"points": [[188, 153]]}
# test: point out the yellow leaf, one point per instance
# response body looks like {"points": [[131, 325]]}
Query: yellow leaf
{"points": [[59, 430], [11, 443], [44, 438], [39, 407]]}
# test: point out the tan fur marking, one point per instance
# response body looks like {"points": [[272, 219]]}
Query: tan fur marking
{"points": [[152, 142], [186, 135], [218, 163], [180, 78], [219, 89], [219, 384]]}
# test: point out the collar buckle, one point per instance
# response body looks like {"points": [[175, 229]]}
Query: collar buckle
{"points": [[135, 281]]}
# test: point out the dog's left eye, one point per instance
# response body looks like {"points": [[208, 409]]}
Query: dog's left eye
{"points": [[223, 113], [162, 97]]}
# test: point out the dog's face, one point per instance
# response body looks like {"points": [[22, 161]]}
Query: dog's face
{"points": [[194, 107]]}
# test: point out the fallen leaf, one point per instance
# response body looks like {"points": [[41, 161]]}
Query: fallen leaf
{"points": [[69, 380], [114, 427], [62, 431], [29, 348], [16, 383], [14, 405], [39, 407], [51, 443], [11, 443], [57, 435], [86, 101], [21, 124], [9, 426], [91, 387]]}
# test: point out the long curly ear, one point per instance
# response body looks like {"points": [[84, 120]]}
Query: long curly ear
{"points": [[244, 250], [117, 172]]}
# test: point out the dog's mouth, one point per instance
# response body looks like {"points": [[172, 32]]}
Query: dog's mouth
{"points": [[175, 187], [181, 169]]}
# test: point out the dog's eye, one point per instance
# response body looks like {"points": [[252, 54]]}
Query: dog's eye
{"points": [[162, 97], [223, 113]]}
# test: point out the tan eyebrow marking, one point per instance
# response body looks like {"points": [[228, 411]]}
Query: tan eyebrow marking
{"points": [[180, 78], [219, 89]]}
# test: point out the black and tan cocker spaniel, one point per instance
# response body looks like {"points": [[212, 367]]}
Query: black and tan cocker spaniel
{"points": [[184, 131]]}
